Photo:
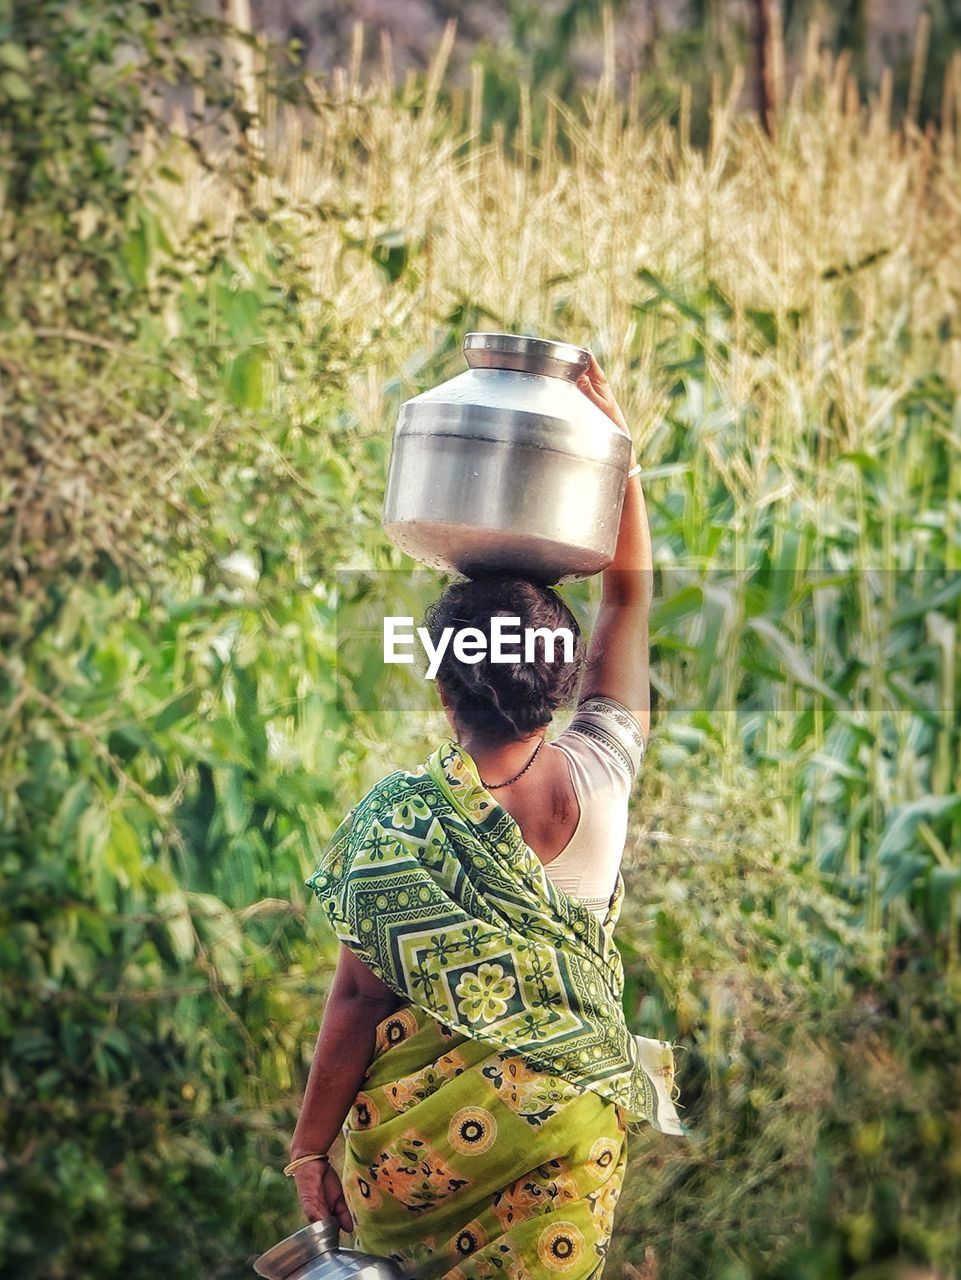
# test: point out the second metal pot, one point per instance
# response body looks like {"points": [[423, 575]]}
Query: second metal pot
{"points": [[313, 1254]]}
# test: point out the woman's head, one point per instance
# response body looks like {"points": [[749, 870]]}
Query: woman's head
{"points": [[504, 701]]}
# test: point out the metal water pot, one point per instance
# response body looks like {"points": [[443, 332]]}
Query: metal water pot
{"points": [[508, 466], [312, 1254]]}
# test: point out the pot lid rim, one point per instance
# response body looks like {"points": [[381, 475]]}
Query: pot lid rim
{"points": [[519, 344]]}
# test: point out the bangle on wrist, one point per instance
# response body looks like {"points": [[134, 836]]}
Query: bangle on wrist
{"points": [[635, 470], [295, 1164]]}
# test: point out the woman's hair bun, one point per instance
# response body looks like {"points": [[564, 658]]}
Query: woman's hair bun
{"points": [[505, 700]]}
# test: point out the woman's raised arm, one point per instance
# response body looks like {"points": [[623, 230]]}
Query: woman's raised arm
{"points": [[619, 652]]}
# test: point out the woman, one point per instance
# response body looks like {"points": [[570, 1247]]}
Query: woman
{"points": [[473, 1047]]}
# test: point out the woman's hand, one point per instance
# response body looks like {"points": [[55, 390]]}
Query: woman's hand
{"points": [[321, 1193], [596, 387]]}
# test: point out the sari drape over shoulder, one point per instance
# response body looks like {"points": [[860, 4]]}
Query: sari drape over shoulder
{"points": [[515, 1010]]}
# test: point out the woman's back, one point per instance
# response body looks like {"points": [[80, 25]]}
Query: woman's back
{"points": [[573, 813]]}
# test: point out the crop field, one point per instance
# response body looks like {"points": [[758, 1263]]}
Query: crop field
{"points": [[213, 304]]}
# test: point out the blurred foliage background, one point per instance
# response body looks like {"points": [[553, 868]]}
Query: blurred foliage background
{"points": [[666, 45], [220, 278]]}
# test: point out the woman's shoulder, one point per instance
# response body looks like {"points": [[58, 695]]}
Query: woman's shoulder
{"points": [[607, 727]]}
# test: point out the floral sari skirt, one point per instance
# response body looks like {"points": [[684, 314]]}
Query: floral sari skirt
{"points": [[462, 1162]]}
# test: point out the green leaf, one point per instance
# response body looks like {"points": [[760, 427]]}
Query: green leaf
{"points": [[765, 322], [177, 709], [244, 379], [75, 800], [241, 311], [794, 662], [905, 870], [122, 851], [943, 882], [685, 603], [232, 791], [661, 289], [14, 87], [136, 254], [849, 268], [902, 824], [180, 931], [393, 251], [935, 601], [14, 56], [913, 698]]}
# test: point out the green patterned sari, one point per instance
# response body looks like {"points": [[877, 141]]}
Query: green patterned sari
{"points": [[490, 1135]]}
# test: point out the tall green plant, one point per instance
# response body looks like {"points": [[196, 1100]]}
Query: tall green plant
{"points": [[176, 466]]}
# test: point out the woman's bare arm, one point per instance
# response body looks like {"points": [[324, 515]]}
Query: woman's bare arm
{"points": [[357, 1002], [618, 654]]}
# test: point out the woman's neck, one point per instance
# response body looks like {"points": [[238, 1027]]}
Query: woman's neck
{"points": [[498, 761]]}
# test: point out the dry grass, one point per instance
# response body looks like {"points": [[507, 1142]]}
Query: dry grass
{"points": [[551, 238]]}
